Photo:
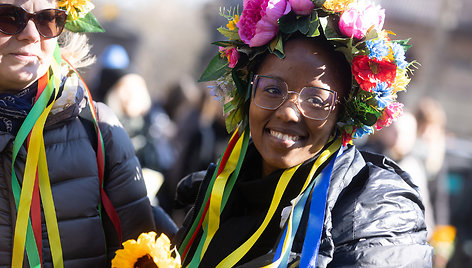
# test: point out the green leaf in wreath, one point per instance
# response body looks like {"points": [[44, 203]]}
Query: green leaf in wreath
{"points": [[228, 107], [372, 33], [303, 24], [329, 31], [288, 24], [240, 85], [363, 113], [227, 43], [403, 43], [252, 52], [277, 46], [215, 69], [230, 34], [314, 23], [233, 119], [87, 24], [318, 3]]}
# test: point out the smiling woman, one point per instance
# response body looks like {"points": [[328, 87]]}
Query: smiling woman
{"points": [[286, 136], [54, 180], [291, 190]]}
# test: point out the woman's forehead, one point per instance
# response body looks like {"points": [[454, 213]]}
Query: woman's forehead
{"points": [[305, 63]]}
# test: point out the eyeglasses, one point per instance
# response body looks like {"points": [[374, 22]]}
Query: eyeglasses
{"points": [[313, 102], [49, 22]]}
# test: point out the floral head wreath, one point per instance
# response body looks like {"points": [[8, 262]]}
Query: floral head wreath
{"points": [[79, 17], [353, 27]]}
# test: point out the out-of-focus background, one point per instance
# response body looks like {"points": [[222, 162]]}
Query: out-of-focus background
{"points": [[162, 47]]}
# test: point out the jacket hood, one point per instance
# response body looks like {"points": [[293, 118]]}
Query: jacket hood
{"points": [[71, 101]]}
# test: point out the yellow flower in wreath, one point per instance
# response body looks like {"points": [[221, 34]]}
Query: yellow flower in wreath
{"points": [[146, 251], [337, 5], [76, 8]]}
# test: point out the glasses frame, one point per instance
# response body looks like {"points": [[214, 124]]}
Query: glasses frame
{"points": [[255, 81], [32, 16]]}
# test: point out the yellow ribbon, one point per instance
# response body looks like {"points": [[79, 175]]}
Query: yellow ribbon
{"points": [[236, 255], [325, 155], [36, 162], [214, 210], [49, 211], [27, 188]]}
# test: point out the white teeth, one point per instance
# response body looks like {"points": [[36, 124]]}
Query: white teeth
{"points": [[282, 136]]}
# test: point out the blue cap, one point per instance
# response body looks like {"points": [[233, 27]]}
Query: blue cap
{"points": [[114, 57]]}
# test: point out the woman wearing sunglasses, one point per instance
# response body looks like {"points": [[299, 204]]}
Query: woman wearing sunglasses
{"points": [[299, 82], [71, 186]]}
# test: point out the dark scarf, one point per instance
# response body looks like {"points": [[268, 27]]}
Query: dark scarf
{"points": [[15, 107], [247, 207]]}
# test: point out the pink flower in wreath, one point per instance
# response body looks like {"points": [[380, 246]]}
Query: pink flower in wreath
{"points": [[358, 19], [258, 23], [231, 54], [302, 7], [391, 113]]}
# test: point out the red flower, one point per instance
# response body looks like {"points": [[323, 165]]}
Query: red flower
{"points": [[370, 72], [348, 132]]}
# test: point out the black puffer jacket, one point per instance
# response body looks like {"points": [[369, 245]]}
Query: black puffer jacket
{"points": [[71, 158], [374, 217]]}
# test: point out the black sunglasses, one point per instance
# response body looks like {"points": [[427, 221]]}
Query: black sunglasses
{"points": [[49, 22]]}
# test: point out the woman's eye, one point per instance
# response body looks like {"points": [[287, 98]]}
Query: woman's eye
{"points": [[315, 101], [273, 91]]}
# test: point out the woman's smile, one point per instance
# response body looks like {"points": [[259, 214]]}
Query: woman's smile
{"points": [[285, 139], [25, 56]]}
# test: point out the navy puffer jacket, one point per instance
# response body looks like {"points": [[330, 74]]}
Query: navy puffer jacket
{"points": [[87, 241], [374, 217]]}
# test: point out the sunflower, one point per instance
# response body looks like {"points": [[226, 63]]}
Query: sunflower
{"points": [[76, 8], [146, 252]]}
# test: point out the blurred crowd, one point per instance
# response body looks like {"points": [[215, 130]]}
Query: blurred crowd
{"points": [[184, 131]]}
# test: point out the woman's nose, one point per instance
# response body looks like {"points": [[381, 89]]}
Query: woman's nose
{"points": [[289, 110], [30, 32]]}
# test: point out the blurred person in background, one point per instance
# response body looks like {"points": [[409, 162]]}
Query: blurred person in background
{"points": [[145, 121], [65, 159], [201, 136], [430, 148], [150, 130], [114, 63]]}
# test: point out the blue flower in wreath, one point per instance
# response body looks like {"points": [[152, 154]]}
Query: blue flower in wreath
{"points": [[399, 54], [383, 94], [377, 48], [362, 131]]}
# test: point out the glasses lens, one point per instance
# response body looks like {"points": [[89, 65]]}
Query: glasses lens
{"points": [[316, 103], [12, 19], [50, 22], [269, 93]]}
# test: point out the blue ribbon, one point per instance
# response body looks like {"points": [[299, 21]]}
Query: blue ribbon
{"points": [[318, 188], [297, 215], [311, 245]]}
